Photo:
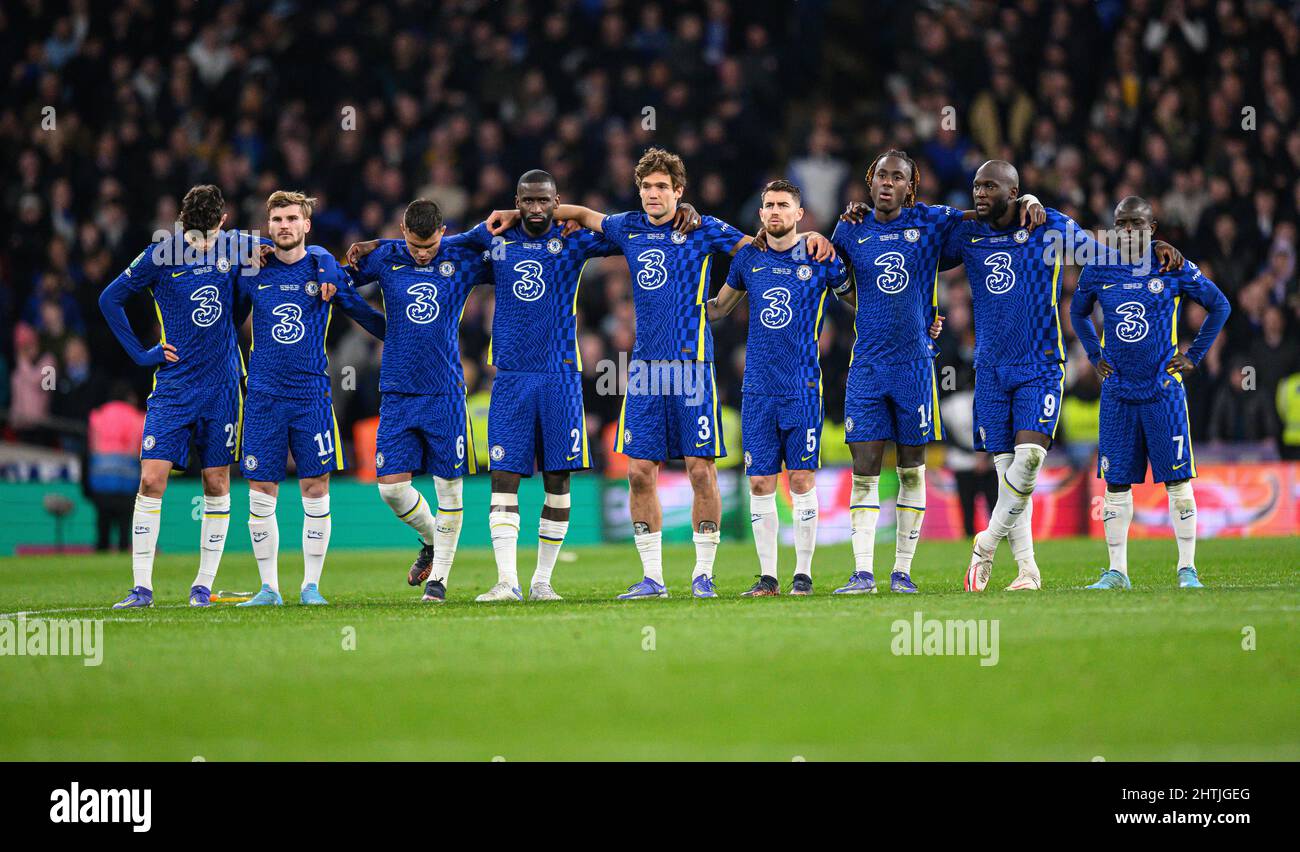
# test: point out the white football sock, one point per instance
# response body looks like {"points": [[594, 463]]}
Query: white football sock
{"points": [[762, 514], [212, 538], [706, 550], [864, 513], [410, 507], [451, 516], [550, 538], [1116, 515], [805, 530], [1182, 511], [911, 512], [1015, 489], [264, 530], [316, 525], [146, 520], [651, 548], [1021, 537], [504, 527]]}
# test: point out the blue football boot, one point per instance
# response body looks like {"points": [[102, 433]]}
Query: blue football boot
{"points": [[860, 583], [266, 597], [1112, 579], [646, 588]]}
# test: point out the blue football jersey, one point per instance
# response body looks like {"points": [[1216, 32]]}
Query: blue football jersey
{"points": [[1015, 279], [896, 267], [670, 282], [194, 299], [423, 306], [290, 320], [1139, 310], [787, 292], [534, 323]]}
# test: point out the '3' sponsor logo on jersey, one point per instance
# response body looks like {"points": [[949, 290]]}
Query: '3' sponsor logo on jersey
{"points": [[425, 307], [777, 314], [209, 309], [1001, 277], [894, 278], [530, 285], [290, 328]]}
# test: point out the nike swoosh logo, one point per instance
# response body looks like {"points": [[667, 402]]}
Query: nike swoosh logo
{"points": [[1042, 420], [758, 269], [1108, 286], [805, 458], [399, 266], [977, 239], [178, 274], [1175, 467], [864, 239], [633, 236], [571, 458], [458, 464], [264, 286], [705, 444]]}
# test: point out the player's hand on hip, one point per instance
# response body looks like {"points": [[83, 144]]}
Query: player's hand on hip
{"points": [[327, 290], [1171, 259], [686, 219], [820, 247], [937, 325], [502, 220], [356, 251], [1180, 363], [169, 352], [855, 212], [1104, 369]]}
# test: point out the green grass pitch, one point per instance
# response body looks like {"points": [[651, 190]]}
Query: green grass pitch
{"points": [[1156, 673]]}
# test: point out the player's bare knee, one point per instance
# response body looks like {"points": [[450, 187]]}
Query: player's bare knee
{"points": [[702, 474], [910, 456], [216, 481], [556, 482], [315, 487], [505, 482], [761, 486], [867, 457], [152, 484], [801, 481], [642, 476]]}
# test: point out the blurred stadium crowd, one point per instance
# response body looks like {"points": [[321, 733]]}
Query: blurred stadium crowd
{"points": [[367, 105]]}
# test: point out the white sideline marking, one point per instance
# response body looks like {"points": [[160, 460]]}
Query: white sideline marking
{"points": [[27, 612]]}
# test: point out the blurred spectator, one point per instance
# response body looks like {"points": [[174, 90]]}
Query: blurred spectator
{"points": [[30, 383], [1239, 413], [113, 465]]}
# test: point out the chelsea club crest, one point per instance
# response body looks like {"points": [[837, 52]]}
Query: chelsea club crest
{"points": [[554, 246], [912, 235], [311, 288], [446, 268], [1155, 285], [223, 265], [678, 237], [804, 272], [1020, 236]]}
